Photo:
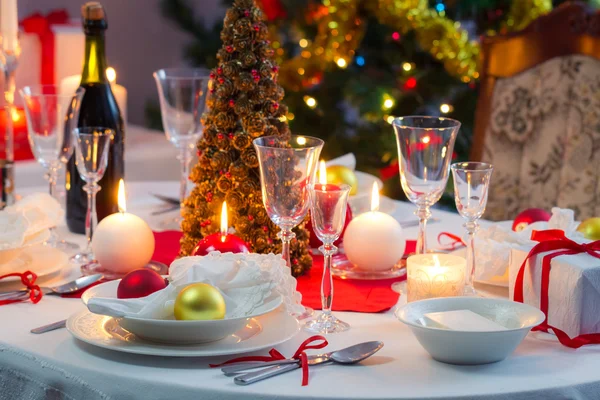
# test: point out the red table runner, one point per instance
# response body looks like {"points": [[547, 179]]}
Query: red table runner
{"points": [[349, 294]]}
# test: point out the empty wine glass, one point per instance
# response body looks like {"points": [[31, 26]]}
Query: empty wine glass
{"points": [[51, 114], [425, 147], [91, 152], [287, 167], [471, 183], [328, 205], [182, 93]]}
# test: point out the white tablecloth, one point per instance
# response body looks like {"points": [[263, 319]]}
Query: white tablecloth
{"points": [[55, 365]]}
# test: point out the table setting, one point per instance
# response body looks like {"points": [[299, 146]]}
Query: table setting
{"points": [[277, 274]]}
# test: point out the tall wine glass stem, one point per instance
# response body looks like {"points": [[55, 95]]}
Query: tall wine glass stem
{"points": [[9, 97], [185, 157], [471, 229], [51, 174], [91, 218], [328, 250], [286, 235], [423, 214]]}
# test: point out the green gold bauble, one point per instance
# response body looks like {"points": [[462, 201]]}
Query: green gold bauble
{"points": [[590, 228], [339, 174], [199, 302]]}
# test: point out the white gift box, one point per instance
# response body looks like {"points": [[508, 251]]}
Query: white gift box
{"points": [[69, 52], [573, 292]]}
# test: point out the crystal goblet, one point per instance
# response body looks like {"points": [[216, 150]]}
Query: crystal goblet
{"points": [[91, 152], [287, 167], [51, 115], [471, 184], [182, 93], [425, 147], [328, 205]]}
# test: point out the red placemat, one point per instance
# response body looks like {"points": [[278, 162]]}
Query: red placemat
{"points": [[349, 294]]}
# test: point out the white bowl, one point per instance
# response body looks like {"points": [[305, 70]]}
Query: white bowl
{"points": [[173, 331], [469, 347]]}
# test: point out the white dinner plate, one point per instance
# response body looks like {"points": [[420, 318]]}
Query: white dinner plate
{"points": [[41, 260], [259, 333]]}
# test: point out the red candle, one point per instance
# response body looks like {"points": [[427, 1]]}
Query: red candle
{"points": [[221, 241]]}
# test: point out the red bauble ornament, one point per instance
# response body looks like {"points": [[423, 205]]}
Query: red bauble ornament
{"points": [[529, 216], [219, 242], [314, 241], [140, 283]]}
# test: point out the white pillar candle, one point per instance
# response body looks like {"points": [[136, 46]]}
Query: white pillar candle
{"points": [[123, 242], [435, 275], [9, 25], [373, 241]]}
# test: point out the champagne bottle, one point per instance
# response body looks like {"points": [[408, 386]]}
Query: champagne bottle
{"points": [[98, 109]]}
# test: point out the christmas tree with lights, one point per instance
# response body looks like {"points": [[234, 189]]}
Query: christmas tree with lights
{"points": [[350, 66], [244, 103]]}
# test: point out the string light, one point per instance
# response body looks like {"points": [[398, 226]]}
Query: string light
{"points": [[410, 83], [303, 43], [360, 61], [407, 66], [389, 119], [341, 63], [396, 36], [388, 103], [301, 71], [446, 108], [310, 101], [290, 116]]}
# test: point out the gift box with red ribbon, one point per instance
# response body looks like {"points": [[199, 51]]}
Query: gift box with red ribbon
{"points": [[52, 48], [561, 277]]}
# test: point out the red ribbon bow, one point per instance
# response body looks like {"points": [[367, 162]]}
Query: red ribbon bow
{"points": [[274, 355], [556, 241], [42, 27], [28, 278], [455, 241]]}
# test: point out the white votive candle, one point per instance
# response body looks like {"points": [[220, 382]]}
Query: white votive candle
{"points": [[435, 275], [373, 241], [123, 242]]}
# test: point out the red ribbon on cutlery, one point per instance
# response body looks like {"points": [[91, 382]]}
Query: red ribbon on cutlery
{"points": [[274, 355], [28, 279], [555, 240]]}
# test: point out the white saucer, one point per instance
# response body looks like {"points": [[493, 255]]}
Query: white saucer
{"points": [[41, 260], [261, 332]]}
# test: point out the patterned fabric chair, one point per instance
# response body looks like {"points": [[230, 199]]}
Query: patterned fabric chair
{"points": [[538, 115]]}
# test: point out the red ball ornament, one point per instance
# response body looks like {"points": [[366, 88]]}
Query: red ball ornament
{"points": [[314, 241], [219, 242], [140, 283], [529, 216]]}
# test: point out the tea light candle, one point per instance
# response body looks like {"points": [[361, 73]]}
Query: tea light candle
{"points": [[435, 275], [221, 241], [123, 242], [373, 241]]}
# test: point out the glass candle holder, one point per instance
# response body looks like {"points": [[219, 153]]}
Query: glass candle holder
{"points": [[435, 275]]}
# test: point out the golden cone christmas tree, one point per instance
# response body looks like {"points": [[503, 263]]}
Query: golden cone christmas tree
{"points": [[244, 103]]}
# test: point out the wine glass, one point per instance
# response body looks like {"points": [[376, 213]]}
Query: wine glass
{"points": [[328, 205], [91, 151], [471, 184], [182, 93], [425, 147], [287, 167], [51, 114]]}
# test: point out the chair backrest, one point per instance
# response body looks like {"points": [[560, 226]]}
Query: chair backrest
{"points": [[538, 114]]}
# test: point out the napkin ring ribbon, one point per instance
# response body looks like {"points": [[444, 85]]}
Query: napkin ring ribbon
{"points": [[274, 355], [554, 240], [455, 241], [28, 279]]}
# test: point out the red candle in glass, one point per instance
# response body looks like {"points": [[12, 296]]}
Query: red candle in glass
{"points": [[221, 241]]}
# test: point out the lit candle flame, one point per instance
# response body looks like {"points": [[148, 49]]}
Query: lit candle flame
{"points": [[375, 197], [322, 174], [121, 197], [111, 74], [224, 225], [436, 261]]}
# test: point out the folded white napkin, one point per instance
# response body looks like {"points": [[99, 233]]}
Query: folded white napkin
{"points": [[347, 160], [246, 282], [41, 210], [13, 226], [493, 245]]}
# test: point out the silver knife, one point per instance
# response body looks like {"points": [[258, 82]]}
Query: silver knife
{"points": [[50, 327]]}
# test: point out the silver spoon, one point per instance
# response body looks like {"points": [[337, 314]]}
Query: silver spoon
{"points": [[70, 287], [349, 355]]}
